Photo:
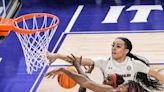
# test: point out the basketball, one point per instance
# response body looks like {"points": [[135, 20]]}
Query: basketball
{"points": [[65, 81]]}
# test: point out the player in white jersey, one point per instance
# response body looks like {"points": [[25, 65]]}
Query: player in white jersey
{"points": [[127, 69], [111, 81], [123, 62]]}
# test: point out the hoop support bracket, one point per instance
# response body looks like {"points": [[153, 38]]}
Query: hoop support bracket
{"points": [[5, 26]]}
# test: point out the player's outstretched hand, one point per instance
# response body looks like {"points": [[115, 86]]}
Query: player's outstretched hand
{"points": [[74, 60], [53, 73], [51, 56]]}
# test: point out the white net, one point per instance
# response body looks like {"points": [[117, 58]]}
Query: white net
{"points": [[35, 45]]}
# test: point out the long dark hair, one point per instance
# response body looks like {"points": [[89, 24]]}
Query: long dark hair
{"points": [[141, 77], [135, 87]]}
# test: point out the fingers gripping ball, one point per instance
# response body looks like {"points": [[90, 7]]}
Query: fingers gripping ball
{"points": [[65, 81]]}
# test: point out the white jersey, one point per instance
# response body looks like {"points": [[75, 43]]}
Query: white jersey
{"points": [[126, 69]]}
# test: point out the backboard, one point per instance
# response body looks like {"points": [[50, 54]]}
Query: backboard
{"points": [[9, 9]]}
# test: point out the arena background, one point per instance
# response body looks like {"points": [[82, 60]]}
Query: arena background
{"points": [[87, 28]]}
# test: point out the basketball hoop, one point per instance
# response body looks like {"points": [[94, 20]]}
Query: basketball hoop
{"points": [[34, 32]]}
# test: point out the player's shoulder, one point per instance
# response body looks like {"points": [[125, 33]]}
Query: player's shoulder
{"points": [[137, 62], [101, 58]]}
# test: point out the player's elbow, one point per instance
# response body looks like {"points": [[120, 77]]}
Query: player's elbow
{"points": [[85, 84]]}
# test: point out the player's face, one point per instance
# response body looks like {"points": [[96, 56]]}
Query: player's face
{"points": [[119, 50]]}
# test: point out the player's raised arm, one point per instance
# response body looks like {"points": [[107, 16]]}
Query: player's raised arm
{"points": [[53, 56]]}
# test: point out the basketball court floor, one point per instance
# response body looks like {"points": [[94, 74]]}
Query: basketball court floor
{"points": [[87, 28], [90, 45]]}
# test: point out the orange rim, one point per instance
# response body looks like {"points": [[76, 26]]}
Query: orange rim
{"points": [[4, 33], [30, 16]]}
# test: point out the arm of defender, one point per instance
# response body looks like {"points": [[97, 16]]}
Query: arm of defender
{"points": [[157, 75], [81, 80]]}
